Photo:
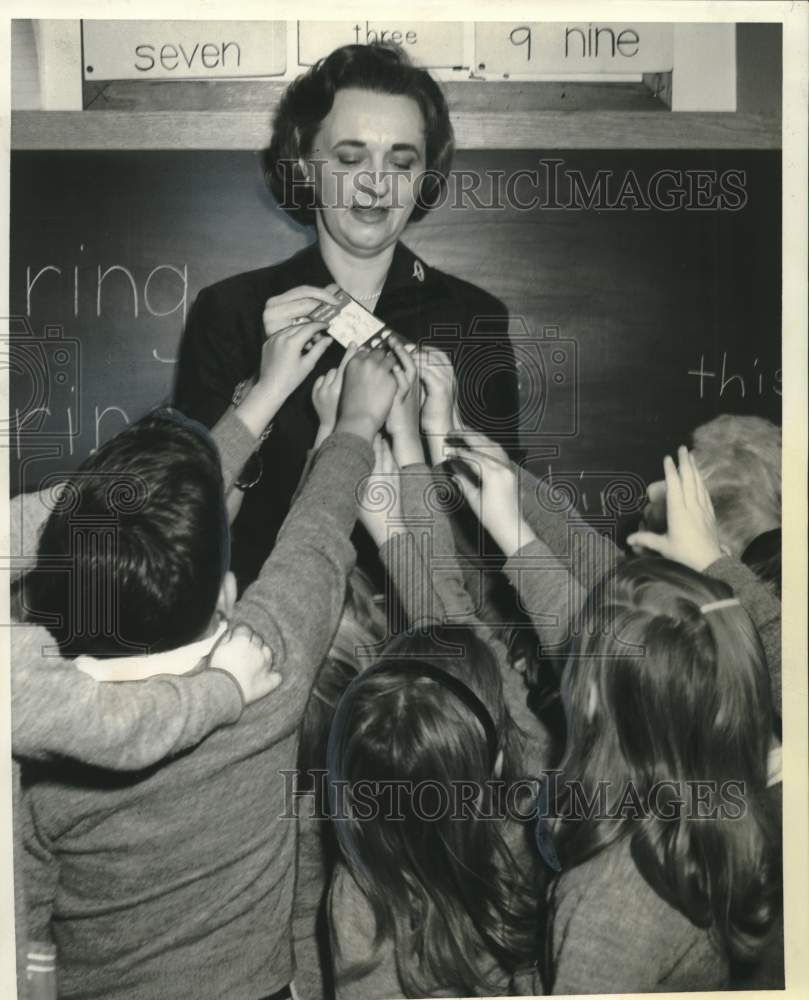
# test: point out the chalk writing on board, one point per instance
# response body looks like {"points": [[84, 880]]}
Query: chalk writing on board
{"points": [[22, 419], [729, 381], [109, 273], [165, 361]]}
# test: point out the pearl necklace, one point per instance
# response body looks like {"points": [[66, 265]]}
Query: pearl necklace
{"points": [[368, 298]]}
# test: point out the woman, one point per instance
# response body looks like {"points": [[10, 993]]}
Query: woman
{"points": [[361, 146]]}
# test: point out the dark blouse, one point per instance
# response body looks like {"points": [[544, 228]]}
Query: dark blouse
{"points": [[222, 345]]}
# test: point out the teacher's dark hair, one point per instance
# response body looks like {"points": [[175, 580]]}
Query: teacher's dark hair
{"points": [[384, 69]]}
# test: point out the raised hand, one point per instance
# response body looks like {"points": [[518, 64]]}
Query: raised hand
{"points": [[439, 413], [489, 482], [403, 420], [369, 389], [380, 508], [284, 365], [289, 308], [326, 396], [243, 654], [692, 536]]}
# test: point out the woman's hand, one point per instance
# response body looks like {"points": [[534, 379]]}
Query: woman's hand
{"points": [[284, 365], [326, 396], [381, 503], [403, 420], [439, 413], [294, 305], [244, 655], [692, 536], [489, 482]]}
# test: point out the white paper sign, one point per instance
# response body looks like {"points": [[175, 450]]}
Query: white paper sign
{"points": [[528, 47], [432, 44], [182, 50]]}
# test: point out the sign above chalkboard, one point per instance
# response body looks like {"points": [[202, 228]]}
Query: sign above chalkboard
{"points": [[175, 50], [526, 47], [432, 44]]}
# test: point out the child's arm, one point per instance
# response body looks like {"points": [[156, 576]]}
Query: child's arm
{"points": [[58, 711], [284, 365], [29, 512], [296, 602], [692, 538], [421, 560], [550, 593]]}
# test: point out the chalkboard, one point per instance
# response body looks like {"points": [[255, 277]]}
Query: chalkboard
{"points": [[654, 320]]}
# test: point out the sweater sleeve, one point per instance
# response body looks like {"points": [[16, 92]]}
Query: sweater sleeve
{"points": [[235, 444], [442, 594], [29, 512], [764, 608], [425, 492], [296, 602], [556, 521], [58, 711], [548, 592], [352, 927]]}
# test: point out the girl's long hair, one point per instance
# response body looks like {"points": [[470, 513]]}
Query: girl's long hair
{"points": [[660, 696], [448, 891]]}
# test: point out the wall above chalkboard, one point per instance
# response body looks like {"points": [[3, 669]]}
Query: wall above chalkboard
{"points": [[493, 101]]}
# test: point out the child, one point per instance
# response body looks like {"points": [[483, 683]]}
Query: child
{"points": [[461, 881], [58, 712], [199, 902], [665, 690], [430, 898]]}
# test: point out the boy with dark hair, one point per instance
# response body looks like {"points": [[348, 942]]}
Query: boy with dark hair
{"points": [[178, 881], [141, 532]]}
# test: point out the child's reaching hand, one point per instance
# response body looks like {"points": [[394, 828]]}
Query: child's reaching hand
{"points": [[439, 413], [243, 654], [369, 389], [403, 420], [692, 537], [326, 396], [284, 365], [489, 482], [381, 503]]}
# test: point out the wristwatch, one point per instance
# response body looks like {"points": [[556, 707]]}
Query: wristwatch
{"points": [[254, 466]]}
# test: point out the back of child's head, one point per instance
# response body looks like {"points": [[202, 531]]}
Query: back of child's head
{"points": [[131, 558], [667, 699], [740, 459], [427, 734]]}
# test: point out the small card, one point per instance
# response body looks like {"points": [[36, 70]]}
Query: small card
{"points": [[349, 320]]}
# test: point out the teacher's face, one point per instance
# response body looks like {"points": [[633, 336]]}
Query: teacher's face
{"points": [[365, 162]]}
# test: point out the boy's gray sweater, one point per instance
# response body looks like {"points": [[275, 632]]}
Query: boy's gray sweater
{"points": [[178, 881]]}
